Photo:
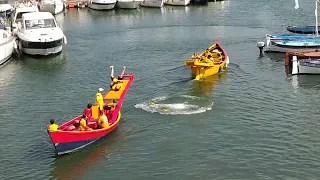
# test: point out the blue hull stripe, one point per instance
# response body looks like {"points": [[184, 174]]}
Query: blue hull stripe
{"points": [[63, 148]]}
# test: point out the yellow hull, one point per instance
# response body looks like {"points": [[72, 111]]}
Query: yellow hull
{"points": [[199, 72]]}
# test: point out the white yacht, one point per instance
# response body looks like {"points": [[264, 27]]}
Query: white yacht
{"points": [[19, 10], [177, 2], [152, 3], [38, 34], [102, 4], [129, 4], [7, 43], [51, 6], [6, 9]]}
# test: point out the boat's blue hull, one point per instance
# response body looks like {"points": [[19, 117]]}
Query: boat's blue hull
{"points": [[302, 29], [289, 37], [69, 147]]}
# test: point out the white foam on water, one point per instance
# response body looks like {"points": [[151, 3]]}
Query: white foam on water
{"points": [[174, 108]]}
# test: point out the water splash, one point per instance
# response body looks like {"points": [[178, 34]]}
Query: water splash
{"points": [[166, 105]]}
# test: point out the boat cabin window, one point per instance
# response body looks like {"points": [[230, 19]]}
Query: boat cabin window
{"points": [[39, 23], [19, 16]]}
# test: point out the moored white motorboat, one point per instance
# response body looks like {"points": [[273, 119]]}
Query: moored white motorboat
{"points": [[19, 10], [6, 9], [152, 3], [39, 34], [102, 4], [177, 2], [52, 6], [7, 43], [129, 4]]}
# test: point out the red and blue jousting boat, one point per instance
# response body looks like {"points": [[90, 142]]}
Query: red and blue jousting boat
{"points": [[68, 138]]}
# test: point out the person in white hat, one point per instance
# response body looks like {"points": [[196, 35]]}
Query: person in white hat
{"points": [[99, 98]]}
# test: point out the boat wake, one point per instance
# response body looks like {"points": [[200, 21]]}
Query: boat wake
{"points": [[173, 105]]}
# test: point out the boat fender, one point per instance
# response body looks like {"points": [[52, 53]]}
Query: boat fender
{"points": [[227, 63], [65, 40], [15, 46]]}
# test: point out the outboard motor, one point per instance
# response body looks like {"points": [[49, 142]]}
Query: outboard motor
{"points": [[261, 45]]}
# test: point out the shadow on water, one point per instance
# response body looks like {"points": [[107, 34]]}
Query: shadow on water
{"points": [[205, 87], [45, 63], [74, 165]]}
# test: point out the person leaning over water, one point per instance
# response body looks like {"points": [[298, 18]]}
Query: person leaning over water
{"points": [[53, 126], [99, 98], [120, 77], [115, 82], [103, 120]]}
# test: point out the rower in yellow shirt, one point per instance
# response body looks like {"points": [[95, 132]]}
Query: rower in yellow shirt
{"points": [[99, 99], [103, 120], [83, 123], [53, 126]]}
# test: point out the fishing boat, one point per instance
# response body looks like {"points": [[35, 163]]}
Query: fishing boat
{"points": [[292, 45], [307, 62], [68, 138], [274, 37], [284, 43], [209, 62], [302, 29]]}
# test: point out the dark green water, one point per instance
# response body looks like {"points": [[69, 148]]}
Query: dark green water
{"points": [[250, 122]]}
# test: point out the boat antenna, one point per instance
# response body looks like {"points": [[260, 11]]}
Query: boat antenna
{"points": [[316, 14]]}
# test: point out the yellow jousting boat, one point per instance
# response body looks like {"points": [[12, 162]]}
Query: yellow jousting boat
{"points": [[209, 62]]}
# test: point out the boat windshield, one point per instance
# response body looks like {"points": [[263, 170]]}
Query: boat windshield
{"points": [[39, 23]]}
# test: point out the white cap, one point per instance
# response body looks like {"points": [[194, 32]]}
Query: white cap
{"points": [[100, 89]]}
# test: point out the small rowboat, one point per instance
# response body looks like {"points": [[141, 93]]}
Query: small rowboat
{"points": [[69, 139], [294, 45], [209, 62], [303, 29], [306, 62]]}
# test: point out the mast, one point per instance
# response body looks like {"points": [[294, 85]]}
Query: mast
{"points": [[316, 13]]}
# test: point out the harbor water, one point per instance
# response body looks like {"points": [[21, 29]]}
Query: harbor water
{"points": [[252, 121]]}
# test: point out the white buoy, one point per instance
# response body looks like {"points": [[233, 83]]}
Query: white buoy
{"points": [[294, 65], [227, 61]]}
